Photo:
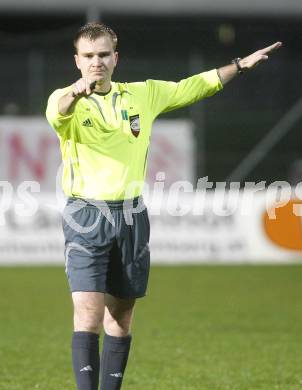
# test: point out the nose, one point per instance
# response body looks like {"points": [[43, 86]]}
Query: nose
{"points": [[97, 61]]}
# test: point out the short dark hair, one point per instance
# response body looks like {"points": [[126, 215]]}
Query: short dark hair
{"points": [[94, 30]]}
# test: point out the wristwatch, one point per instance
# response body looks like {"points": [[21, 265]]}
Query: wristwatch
{"points": [[236, 61]]}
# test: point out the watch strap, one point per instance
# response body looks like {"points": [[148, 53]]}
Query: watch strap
{"points": [[236, 61]]}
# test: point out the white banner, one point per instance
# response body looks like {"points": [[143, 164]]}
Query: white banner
{"points": [[206, 227], [29, 150], [183, 230]]}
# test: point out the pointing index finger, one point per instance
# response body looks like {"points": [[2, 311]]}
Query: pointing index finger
{"points": [[271, 48], [92, 85], [88, 86]]}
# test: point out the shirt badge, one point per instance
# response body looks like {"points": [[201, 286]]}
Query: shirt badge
{"points": [[135, 124]]}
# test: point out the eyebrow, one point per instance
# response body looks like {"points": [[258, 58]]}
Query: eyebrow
{"points": [[92, 53]]}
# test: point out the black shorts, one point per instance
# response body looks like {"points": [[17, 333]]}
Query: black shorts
{"points": [[107, 246]]}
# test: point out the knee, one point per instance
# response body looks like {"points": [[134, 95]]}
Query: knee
{"points": [[117, 323], [87, 318]]}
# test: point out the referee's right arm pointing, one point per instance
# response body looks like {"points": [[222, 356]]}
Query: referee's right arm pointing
{"points": [[82, 87]]}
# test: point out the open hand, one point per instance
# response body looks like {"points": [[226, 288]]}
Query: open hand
{"points": [[259, 56]]}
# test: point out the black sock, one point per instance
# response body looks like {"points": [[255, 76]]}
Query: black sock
{"points": [[114, 360], [86, 360]]}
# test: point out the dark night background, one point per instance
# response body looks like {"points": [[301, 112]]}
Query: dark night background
{"points": [[37, 57]]}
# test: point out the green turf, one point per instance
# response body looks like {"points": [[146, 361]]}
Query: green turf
{"points": [[216, 328]]}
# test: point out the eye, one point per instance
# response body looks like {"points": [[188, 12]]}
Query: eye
{"points": [[103, 55]]}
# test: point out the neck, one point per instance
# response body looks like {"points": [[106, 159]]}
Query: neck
{"points": [[103, 87]]}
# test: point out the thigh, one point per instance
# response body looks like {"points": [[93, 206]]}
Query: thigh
{"points": [[88, 241], [129, 261], [86, 268], [84, 301], [88, 310]]}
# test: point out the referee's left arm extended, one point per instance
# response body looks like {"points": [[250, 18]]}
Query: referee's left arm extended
{"points": [[228, 72]]}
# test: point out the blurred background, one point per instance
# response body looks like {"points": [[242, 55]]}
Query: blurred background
{"points": [[251, 131], [235, 327], [170, 40]]}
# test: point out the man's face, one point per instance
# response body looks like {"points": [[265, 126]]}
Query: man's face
{"points": [[96, 59]]}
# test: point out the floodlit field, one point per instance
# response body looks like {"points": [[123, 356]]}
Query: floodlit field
{"points": [[216, 328]]}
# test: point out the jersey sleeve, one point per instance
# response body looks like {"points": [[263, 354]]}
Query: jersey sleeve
{"points": [[167, 95], [57, 121]]}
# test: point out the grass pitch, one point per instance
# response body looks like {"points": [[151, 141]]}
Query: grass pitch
{"points": [[200, 327]]}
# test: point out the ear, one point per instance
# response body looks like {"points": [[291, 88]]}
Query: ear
{"points": [[116, 57], [76, 59]]}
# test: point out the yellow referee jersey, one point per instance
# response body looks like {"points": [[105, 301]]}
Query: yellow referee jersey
{"points": [[104, 142]]}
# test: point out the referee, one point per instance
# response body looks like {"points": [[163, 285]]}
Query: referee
{"points": [[104, 130]]}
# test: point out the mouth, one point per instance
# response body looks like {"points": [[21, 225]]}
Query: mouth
{"points": [[99, 71]]}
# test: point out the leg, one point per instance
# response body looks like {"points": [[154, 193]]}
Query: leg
{"points": [[88, 311], [88, 241], [127, 277], [118, 316], [117, 324], [88, 316]]}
